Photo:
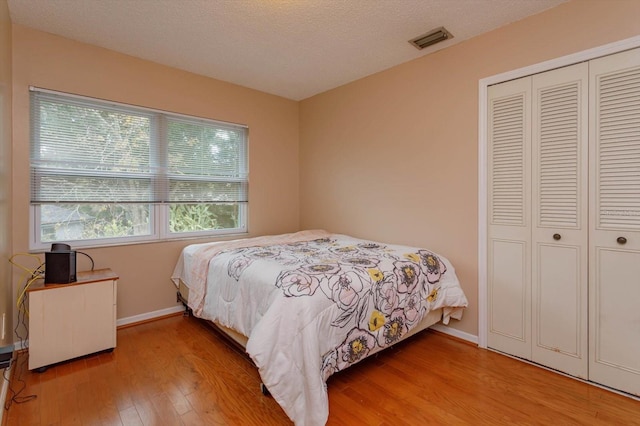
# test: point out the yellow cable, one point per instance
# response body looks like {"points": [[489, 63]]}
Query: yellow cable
{"points": [[24, 291], [24, 268], [33, 273]]}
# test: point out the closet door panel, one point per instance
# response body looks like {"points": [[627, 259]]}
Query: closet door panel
{"points": [[616, 341], [560, 226], [614, 318], [509, 230], [559, 308], [509, 293]]}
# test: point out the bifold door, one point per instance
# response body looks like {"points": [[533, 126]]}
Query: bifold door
{"points": [[614, 308]]}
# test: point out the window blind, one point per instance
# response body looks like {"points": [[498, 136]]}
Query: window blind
{"points": [[85, 150]]}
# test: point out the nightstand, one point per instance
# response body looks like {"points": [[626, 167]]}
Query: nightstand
{"points": [[67, 321]]}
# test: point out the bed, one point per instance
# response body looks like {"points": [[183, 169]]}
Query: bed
{"points": [[308, 304]]}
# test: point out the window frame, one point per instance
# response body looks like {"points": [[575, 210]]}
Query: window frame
{"points": [[159, 213]]}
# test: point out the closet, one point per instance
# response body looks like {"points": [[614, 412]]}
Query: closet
{"points": [[563, 215]]}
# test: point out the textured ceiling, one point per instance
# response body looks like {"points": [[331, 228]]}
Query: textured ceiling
{"points": [[291, 48]]}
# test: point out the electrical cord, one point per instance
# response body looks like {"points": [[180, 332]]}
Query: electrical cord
{"points": [[34, 274], [29, 276], [20, 364], [90, 258], [37, 271]]}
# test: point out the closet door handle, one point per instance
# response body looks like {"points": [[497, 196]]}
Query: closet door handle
{"points": [[621, 240], [557, 237]]}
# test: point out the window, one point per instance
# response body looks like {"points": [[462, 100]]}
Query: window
{"points": [[107, 173]]}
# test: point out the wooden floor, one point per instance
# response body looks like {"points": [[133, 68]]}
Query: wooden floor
{"points": [[177, 371]]}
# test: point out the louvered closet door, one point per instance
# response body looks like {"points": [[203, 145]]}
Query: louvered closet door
{"points": [[614, 293], [509, 230], [560, 223]]}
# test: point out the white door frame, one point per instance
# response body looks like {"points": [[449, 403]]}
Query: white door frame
{"points": [[585, 55]]}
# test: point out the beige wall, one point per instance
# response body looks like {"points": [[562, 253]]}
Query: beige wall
{"points": [[6, 298], [44, 60], [393, 157]]}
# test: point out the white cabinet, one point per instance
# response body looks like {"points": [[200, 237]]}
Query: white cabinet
{"points": [[564, 219], [70, 320]]}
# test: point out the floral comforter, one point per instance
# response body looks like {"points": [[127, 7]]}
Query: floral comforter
{"points": [[315, 303]]}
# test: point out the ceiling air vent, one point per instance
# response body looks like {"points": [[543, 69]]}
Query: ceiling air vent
{"points": [[431, 38]]}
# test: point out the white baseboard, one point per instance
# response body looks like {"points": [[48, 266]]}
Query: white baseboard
{"points": [[180, 308], [124, 321], [149, 316], [168, 311], [455, 333], [4, 391]]}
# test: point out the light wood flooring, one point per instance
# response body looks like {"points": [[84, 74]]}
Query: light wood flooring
{"points": [[177, 371]]}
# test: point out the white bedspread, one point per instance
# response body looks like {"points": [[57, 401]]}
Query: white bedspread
{"points": [[313, 303]]}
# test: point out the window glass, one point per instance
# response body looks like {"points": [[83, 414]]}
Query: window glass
{"points": [[74, 222]]}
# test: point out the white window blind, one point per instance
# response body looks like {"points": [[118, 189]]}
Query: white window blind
{"points": [[90, 151], [205, 162]]}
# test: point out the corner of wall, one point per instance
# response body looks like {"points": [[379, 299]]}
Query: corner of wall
{"points": [[6, 82]]}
